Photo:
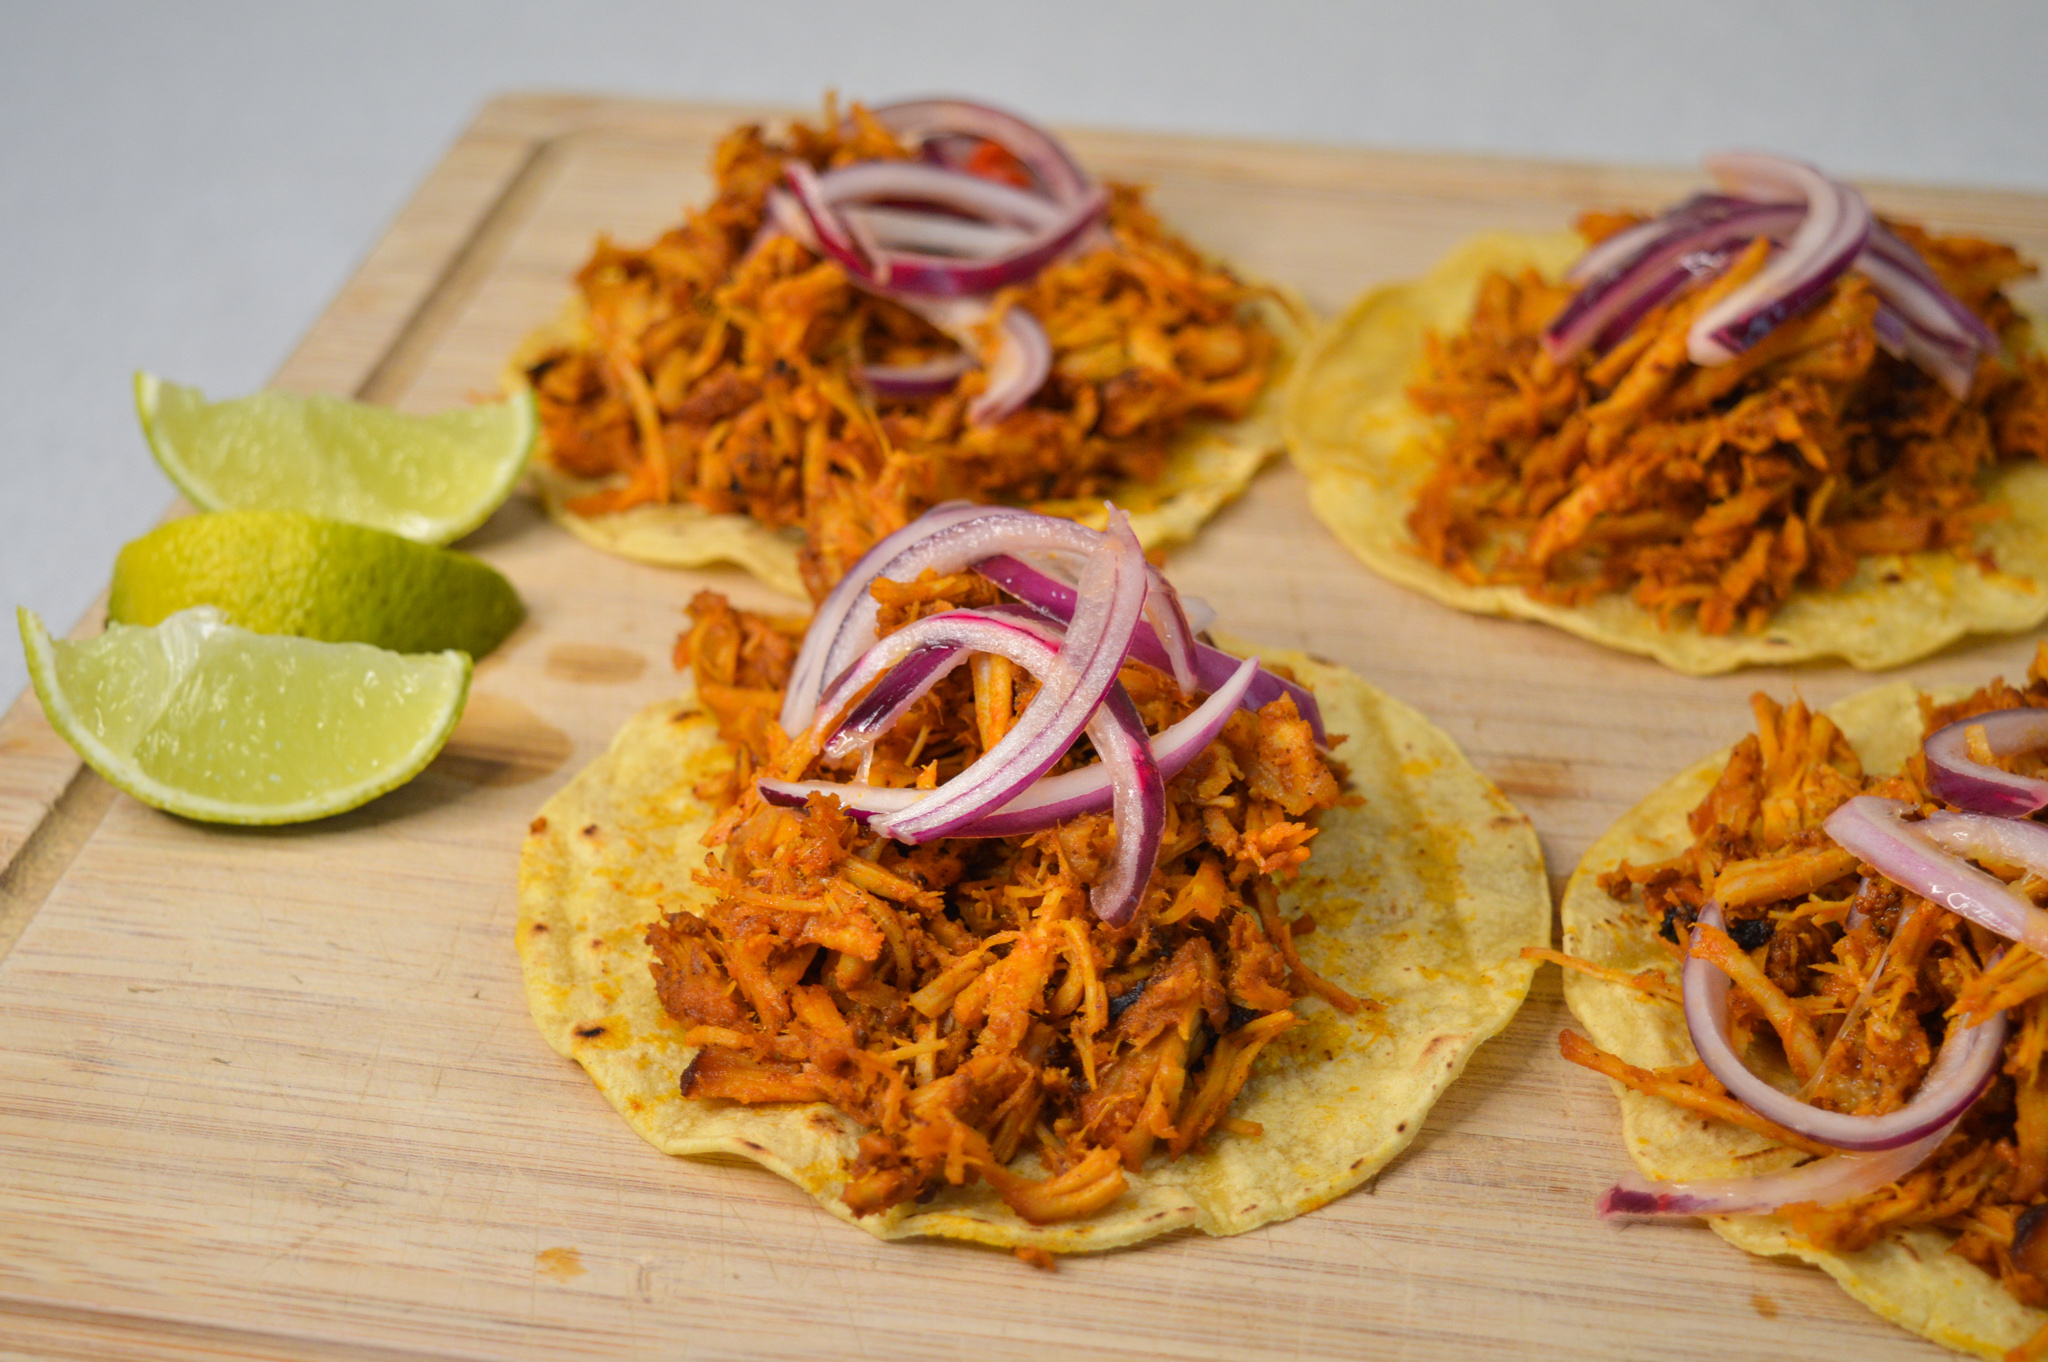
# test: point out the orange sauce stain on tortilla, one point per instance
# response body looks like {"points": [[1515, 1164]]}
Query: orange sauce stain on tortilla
{"points": [[594, 663], [563, 1264], [502, 742]]}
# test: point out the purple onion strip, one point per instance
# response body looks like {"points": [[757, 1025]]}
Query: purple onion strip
{"points": [[1967, 784], [808, 675], [1967, 1062], [1870, 826], [915, 658], [1693, 246], [1836, 1178], [1112, 595], [1055, 600], [1053, 799], [931, 123], [1833, 232]]}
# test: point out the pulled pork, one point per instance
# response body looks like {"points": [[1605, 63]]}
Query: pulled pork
{"points": [[1716, 490], [958, 999], [1799, 968], [721, 371]]}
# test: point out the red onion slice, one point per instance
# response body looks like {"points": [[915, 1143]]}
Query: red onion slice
{"points": [[1167, 641], [1137, 806], [1112, 597], [1912, 287], [928, 379], [1967, 1062], [1835, 229], [1053, 799], [919, 123], [1617, 250], [946, 539], [897, 183], [1953, 777], [899, 229], [1869, 826], [2008, 841], [1695, 245], [945, 276], [827, 230], [1826, 1181], [808, 674], [1055, 600], [1019, 367], [823, 199], [1951, 360], [917, 657]]}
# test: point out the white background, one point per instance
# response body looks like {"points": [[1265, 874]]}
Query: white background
{"points": [[183, 187]]}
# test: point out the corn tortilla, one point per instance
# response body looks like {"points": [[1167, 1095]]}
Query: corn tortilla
{"points": [[1423, 894], [1365, 450], [1911, 1279]]}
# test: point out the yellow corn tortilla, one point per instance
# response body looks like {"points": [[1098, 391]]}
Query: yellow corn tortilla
{"points": [[1423, 897], [1365, 451], [1210, 466], [1911, 1279]]}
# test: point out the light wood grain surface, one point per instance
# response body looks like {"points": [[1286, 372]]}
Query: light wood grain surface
{"points": [[274, 1093]]}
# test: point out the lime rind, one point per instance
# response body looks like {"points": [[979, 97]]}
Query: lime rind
{"points": [[428, 478], [287, 572], [215, 723]]}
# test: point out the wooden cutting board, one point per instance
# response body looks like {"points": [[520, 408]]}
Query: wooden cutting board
{"points": [[274, 1093]]}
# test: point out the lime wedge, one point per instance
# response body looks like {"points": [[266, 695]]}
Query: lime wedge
{"points": [[430, 478], [284, 572], [202, 719]]}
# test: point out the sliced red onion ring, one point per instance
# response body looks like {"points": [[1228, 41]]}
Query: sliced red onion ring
{"points": [[1112, 597], [1907, 282], [945, 539], [827, 230], [822, 197], [900, 229], [920, 123], [808, 674], [1137, 788], [1055, 600], [1695, 245], [1054, 799], [1835, 229], [1953, 777], [1967, 1062], [917, 657], [1869, 826], [2009, 841], [928, 379], [1827, 1181], [913, 182], [1616, 250], [1019, 367], [1951, 360]]}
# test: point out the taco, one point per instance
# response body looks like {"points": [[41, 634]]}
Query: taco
{"points": [[1079, 1014], [1688, 443], [914, 303], [1810, 966]]}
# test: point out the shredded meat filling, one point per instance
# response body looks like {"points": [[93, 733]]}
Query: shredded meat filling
{"points": [[1715, 492], [958, 999], [1799, 988], [721, 368]]}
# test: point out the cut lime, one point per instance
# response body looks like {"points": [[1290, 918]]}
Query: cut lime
{"points": [[283, 572], [216, 723], [430, 478]]}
